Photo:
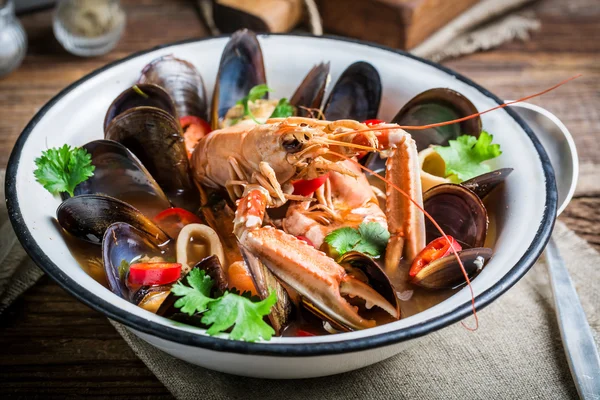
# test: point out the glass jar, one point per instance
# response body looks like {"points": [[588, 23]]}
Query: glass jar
{"points": [[13, 41], [88, 27]]}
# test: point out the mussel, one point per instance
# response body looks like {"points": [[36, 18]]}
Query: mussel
{"points": [[87, 217], [459, 212], [483, 185], [241, 68], [154, 136], [309, 95], [150, 298], [122, 244], [120, 174], [445, 272], [438, 105], [264, 282], [145, 95], [356, 94], [182, 81]]}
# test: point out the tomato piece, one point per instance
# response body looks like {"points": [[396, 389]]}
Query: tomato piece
{"points": [[371, 122], [305, 239], [305, 187], [194, 129], [302, 332], [436, 249], [154, 273], [172, 220]]}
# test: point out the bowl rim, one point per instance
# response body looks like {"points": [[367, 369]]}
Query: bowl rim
{"points": [[171, 334]]}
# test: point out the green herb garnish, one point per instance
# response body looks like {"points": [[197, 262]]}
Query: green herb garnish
{"points": [[139, 91], [465, 155], [225, 312], [370, 238], [62, 169], [283, 109]]}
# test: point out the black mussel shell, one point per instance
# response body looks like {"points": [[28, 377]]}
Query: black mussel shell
{"points": [[182, 81], [213, 268], [142, 95], [265, 282], [356, 95], [482, 185], [459, 212], [120, 174], [311, 91], [87, 217], [445, 272], [241, 68], [155, 138], [122, 244], [378, 279], [438, 105], [150, 298]]}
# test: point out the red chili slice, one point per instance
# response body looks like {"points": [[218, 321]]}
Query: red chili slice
{"points": [[194, 129], [154, 273], [371, 122], [306, 187], [172, 220], [436, 249], [302, 332]]}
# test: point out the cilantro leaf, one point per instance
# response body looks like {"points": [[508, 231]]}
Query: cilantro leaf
{"points": [[283, 109], [370, 238], [196, 297], [245, 316], [464, 156], [62, 169], [343, 240], [374, 238]]}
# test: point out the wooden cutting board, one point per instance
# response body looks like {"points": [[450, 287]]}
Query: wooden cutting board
{"points": [[397, 23]]}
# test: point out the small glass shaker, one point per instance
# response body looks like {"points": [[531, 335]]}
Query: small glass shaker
{"points": [[88, 27], [13, 41]]}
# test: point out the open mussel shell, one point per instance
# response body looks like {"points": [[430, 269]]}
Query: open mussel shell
{"points": [[356, 94], [87, 217], [377, 279], [445, 272], [122, 244], [150, 298], [265, 282], [182, 81], [154, 136], [482, 185], [438, 105], [143, 95], [121, 175], [309, 95], [241, 68], [459, 212]]}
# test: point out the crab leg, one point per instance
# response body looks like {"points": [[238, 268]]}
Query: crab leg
{"points": [[307, 270], [406, 222]]}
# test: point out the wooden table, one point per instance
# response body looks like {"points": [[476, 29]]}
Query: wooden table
{"points": [[53, 345]]}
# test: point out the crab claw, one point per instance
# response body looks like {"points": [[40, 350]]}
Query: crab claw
{"points": [[317, 277]]}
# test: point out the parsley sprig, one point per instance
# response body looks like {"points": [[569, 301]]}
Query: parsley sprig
{"points": [[464, 156], [231, 310], [62, 169], [370, 238], [283, 108]]}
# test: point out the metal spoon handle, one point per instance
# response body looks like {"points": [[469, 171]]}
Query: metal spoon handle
{"points": [[576, 333]]}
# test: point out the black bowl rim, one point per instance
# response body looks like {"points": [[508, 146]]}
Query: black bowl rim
{"points": [[143, 325]]}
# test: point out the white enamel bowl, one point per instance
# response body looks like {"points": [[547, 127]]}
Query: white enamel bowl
{"points": [[525, 211]]}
